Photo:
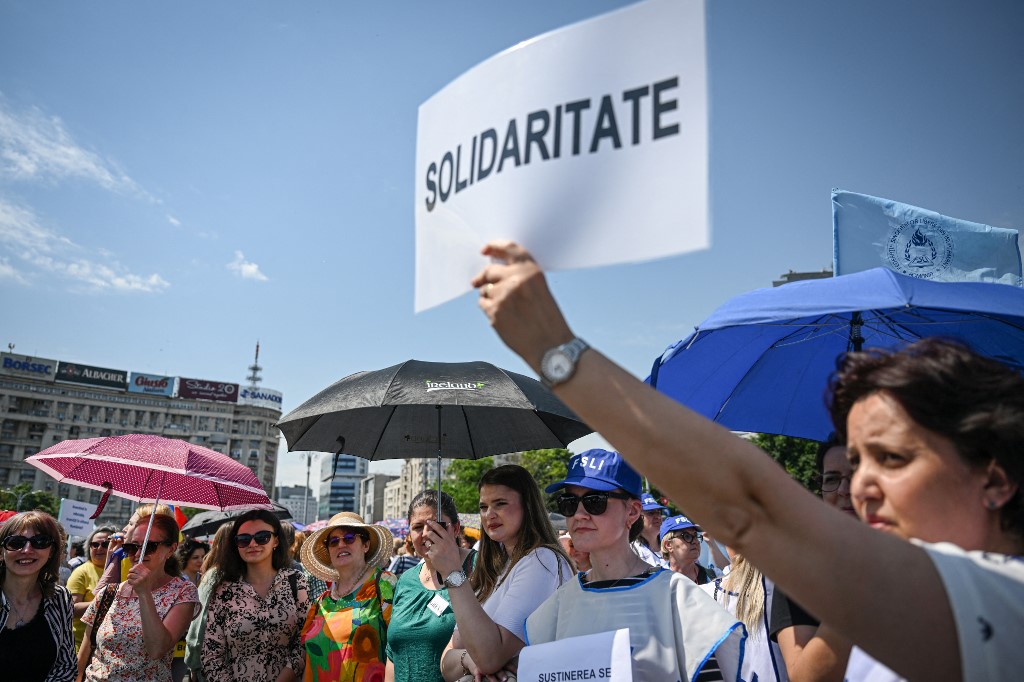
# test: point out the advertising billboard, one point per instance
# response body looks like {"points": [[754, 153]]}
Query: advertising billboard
{"points": [[203, 389], [151, 384], [261, 397], [28, 367], [73, 373]]}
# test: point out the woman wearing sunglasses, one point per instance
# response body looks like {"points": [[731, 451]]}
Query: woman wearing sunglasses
{"points": [[148, 614], [346, 630], [85, 577], [36, 640], [422, 621], [680, 627], [680, 547], [931, 584], [256, 608], [519, 565]]}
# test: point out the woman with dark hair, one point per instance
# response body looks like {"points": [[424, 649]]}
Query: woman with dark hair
{"points": [[681, 627], [36, 639], [255, 611], [138, 622], [86, 576], [223, 542], [520, 564], [812, 651], [422, 619], [191, 554], [930, 584]]}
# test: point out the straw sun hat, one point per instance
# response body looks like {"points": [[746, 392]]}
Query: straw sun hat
{"points": [[317, 560]]}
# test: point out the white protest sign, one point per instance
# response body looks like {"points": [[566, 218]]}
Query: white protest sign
{"points": [[74, 516], [604, 656], [588, 145]]}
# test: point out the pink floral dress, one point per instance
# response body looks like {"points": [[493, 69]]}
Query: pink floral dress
{"points": [[251, 638], [120, 654]]}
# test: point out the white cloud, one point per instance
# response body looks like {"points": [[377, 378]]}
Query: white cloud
{"points": [[245, 269], [44, 252], [173, 221], [37, 147], [8, 271]]}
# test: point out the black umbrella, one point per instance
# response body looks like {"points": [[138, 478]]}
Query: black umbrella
{"points": [[462, 410], [207, 522]]}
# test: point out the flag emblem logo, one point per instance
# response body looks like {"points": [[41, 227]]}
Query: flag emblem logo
{"points": [[920, 248]]}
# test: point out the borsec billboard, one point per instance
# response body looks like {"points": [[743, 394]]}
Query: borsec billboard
{"points": [[28, 367]]}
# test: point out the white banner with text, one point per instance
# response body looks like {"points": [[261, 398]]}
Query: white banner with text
{"points": [[604, 656], [588, 145]]}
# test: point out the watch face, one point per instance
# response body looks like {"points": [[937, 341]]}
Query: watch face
{"points": [[456, 578], [558, 366]]}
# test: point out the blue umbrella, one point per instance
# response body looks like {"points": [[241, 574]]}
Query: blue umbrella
{"points": [[762, 361]]}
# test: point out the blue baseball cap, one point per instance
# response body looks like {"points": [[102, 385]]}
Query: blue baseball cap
{"points": [[676, 523], [599, 469], [650, 504]]}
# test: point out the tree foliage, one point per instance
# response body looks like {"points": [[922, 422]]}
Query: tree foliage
{"points": [[796, 455], [23, 497], [546, 467], [461, 482]]}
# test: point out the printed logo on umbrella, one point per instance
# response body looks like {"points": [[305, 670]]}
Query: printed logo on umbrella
{"points": [[454, 385]]}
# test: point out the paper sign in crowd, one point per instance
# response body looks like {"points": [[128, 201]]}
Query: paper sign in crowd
{"points": [[588, 145]]}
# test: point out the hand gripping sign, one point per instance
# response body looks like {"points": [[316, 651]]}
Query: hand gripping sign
{"points": [[588, 145], [604, 656]]}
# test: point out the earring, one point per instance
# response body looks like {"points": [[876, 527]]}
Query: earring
{"points": [[992, 505]]}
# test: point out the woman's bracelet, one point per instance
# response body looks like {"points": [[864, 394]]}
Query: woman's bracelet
{"points": [[462, 662]]}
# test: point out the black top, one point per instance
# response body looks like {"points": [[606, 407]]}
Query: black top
{"points": [[787, 613], [16, 661]]}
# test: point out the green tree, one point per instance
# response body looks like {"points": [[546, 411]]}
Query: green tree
{"points": [[796, 455], [461, 480], [546, 467], [23, 497]]}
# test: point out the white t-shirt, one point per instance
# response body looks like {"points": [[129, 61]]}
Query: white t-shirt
{"points": [[674, 627], [648, 555], [986, 594], [532, 580], [760, 658]]}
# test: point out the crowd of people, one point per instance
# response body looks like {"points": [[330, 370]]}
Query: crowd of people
{"points": [[908, 567]]}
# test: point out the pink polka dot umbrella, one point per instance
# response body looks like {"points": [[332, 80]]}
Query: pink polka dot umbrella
{"points": [[153, 469]]}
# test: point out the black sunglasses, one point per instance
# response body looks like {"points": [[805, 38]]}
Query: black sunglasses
{"points": [[262, 537], [99, 543], [16, 542], [594, 503], [689, 538], [348, 538], [132, 548]]}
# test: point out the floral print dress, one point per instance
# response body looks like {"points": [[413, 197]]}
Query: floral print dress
{"points": [[345, 638], [120, 652], [250, 638]]}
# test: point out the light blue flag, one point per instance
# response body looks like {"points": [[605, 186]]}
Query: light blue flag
{"points": [[869, 232]]}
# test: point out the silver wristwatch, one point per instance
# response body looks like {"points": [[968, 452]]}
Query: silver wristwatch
{"points": [[559, 363], [455, 579]]}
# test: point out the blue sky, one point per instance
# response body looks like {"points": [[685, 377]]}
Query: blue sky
{"points": [[178, 180]]}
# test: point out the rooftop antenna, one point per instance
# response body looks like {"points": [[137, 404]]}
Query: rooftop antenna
{"points": [[10, 348], [254, 370]]}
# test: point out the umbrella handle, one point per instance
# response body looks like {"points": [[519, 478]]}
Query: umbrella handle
{"points": [[149, 527]]}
